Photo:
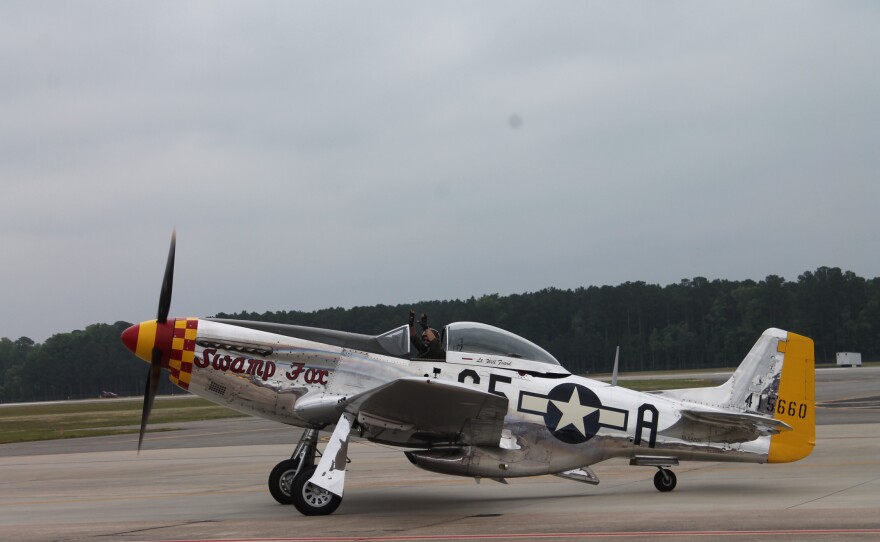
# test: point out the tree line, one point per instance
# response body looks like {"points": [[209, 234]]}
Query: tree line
{"points": [[695, 323]]}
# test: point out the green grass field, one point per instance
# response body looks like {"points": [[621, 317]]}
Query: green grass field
{"points": [[93, 418], [665, 384]]}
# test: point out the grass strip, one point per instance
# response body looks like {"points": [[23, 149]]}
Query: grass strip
{"points": [[26, 423], [666, 384]]}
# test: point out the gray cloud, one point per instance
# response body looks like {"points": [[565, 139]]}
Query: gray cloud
{"points": [[344, 154]]}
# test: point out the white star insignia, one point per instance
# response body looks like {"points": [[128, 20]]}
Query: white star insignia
{"points": [[573, 412]]}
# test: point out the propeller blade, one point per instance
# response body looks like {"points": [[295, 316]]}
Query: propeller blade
{"points": [[167, 282], [150, 392]]}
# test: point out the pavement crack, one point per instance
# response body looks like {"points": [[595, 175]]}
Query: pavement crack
{"points": [[832, 493], [145, 529]]}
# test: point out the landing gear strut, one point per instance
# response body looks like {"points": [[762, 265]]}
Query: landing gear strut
{"points": [[289, 480], [664, 480]]}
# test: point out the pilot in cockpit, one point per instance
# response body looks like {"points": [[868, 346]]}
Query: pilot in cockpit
{"points": [[430, 346]]}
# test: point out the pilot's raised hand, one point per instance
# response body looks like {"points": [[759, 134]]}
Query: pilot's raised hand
{"points": [[424, 321]]}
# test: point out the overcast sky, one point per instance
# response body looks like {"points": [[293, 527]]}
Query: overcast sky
{"points": [[329, 154]]}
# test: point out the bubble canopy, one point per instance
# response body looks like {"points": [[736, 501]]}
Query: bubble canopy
{"points": [[476, 338]]}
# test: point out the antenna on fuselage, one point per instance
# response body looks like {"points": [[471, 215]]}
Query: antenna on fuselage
{"points": [[614, 372]]}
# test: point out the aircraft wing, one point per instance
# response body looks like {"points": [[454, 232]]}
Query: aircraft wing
{"points": [[722, 426], [432, 410]]}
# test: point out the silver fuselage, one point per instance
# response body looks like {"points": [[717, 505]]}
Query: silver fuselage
{"points": [[555, 421]]}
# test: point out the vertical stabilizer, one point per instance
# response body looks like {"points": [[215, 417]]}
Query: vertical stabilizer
{"points": [[755, 383], [752, 387]]}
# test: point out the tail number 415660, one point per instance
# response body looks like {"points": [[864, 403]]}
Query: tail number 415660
{"points": [[791, 408]]}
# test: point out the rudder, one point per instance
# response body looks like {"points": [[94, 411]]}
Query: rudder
{"points": [[795, 401]]}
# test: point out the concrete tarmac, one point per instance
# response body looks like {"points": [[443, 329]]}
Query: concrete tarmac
{"points": [[207, 481]]}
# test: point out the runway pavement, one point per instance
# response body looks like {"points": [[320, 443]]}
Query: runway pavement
{"points": [[208, 482]]}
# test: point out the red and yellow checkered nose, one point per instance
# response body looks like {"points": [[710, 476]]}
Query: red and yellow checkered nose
{"points": [[143, 338], [174, 339]]}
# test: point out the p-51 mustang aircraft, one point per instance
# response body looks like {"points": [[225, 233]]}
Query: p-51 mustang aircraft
{"points": [[492, 405]]}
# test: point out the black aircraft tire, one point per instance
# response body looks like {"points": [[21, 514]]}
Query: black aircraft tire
{"points": [[665, 480], [311, 500], [281, 480]]}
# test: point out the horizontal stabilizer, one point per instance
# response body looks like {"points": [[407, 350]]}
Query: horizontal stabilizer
{"points": [[720, 426], [760, 425]]}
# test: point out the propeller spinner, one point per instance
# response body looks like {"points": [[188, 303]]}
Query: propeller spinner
{"points": [[152, 340]]}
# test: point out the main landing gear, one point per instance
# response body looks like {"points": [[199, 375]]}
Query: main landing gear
{"points": [[664, 480], [289, 480]]}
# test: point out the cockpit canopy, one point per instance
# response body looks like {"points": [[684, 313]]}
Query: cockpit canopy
{"points": [[484, 339]]}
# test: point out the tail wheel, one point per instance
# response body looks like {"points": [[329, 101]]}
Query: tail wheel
{"points": [[281, 480], [312, 500], [665, 480]]}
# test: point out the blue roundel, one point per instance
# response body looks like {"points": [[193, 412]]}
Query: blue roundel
{"points": [[572, 413]]}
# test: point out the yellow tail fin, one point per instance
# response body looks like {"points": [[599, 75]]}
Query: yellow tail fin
{"points": [[796, 401]]}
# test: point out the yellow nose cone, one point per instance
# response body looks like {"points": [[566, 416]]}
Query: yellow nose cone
{"points": [[141, 339]]}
